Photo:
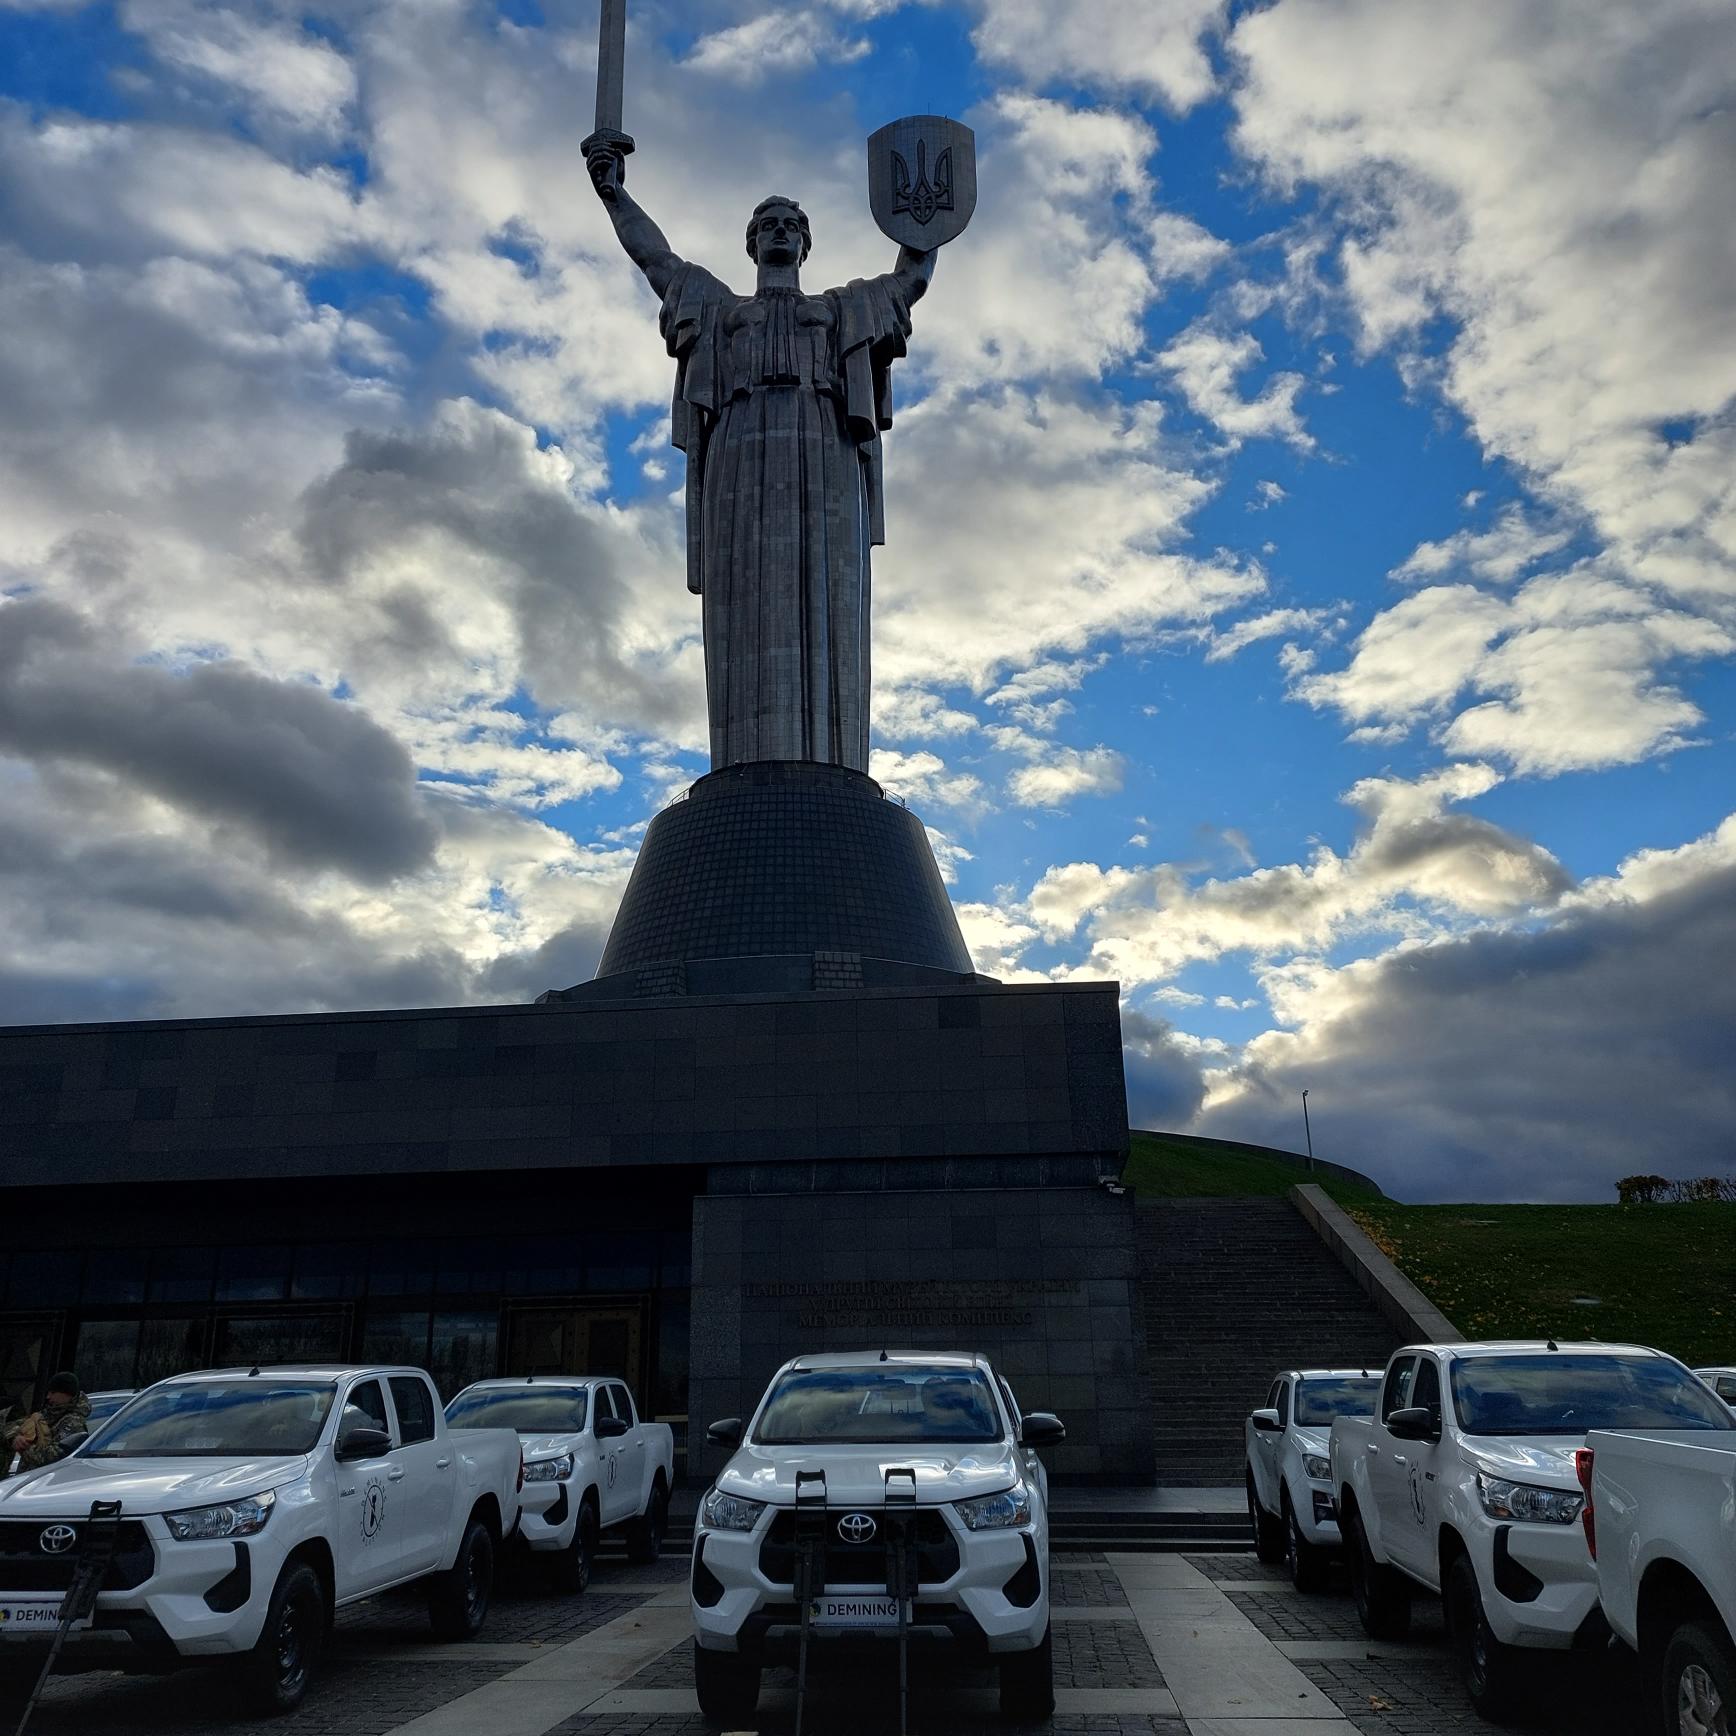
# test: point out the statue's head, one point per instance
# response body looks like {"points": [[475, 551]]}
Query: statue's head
{"points": [[778, 233]]}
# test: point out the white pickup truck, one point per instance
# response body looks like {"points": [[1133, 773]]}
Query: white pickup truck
{"points": [[254, 1503], [590, 1466], [1290, 1502], [902, 1492], [1661, 1522], [1464, 1483]]}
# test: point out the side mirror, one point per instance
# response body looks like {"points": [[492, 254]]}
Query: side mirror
{"points": [[1414, 1423], [362, 1443], [725, 1432], [1266, 1421], [1040, 1429], [611, 1428]]}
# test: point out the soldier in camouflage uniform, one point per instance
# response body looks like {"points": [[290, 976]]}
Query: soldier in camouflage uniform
{"points": [[52, 1432]]}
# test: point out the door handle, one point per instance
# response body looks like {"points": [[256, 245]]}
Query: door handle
{"points": [[441, 1464], [349, 1491], [395, 1474], [1372, 1450], [1397, 1459]]}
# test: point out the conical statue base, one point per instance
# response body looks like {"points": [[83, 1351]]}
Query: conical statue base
{"points": [[781, 875]]}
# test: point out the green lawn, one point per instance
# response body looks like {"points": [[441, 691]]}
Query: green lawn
{"points": [[1662, 1275], [1174, 1165]]}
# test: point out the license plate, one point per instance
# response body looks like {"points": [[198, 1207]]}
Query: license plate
{"points": [[22, 1620], [855, 1612]]}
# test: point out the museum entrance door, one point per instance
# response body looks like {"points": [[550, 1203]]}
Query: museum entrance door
{"points": [[599, 1337]]}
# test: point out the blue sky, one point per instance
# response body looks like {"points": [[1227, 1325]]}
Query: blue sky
{"points": [[1310, 588]]}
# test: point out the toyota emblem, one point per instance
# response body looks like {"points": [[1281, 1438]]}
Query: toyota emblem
{"points": [[857, 1528], [57, 1539]]}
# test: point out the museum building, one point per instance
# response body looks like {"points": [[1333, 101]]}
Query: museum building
{"points": [[787, 1116]]}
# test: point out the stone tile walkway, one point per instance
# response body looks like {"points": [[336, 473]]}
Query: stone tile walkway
{"points": [[1145, 1645]]}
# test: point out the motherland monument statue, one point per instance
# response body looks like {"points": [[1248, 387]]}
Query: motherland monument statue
{"points": [[780, 400]]}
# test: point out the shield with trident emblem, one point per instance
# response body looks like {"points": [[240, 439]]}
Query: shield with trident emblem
{"points": [[922, 179]]}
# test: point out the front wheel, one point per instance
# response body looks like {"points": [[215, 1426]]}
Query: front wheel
{"points": [[645, 1534], [277, 1671], [1699, 1682], [1493, 1673], [728, 1684], [458, 1597], [571, 1569], [1307, 1562], [1268, 1532], [1383, 1602], [1028, 1683]]}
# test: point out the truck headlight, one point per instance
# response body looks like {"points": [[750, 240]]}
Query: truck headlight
{"points": [[996, 1512], [244, 1518], [721, 1512], [549, 1470], [1504, 1500], [1317, 1468]]}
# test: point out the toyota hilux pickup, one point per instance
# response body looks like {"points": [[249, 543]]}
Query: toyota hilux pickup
{"points": [[1660, 1519], [1464, 1484], [876, 1499], [590, 1466], [1289, 1475], [254, 1503]]}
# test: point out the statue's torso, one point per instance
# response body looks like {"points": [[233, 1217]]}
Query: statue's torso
{"points": [[779, 338]]}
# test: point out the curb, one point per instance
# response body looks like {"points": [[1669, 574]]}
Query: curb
{"points": [[1398, 1299]]}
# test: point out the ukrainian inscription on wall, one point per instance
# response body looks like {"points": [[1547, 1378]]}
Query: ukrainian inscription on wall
{"points": [[870, 1304]]}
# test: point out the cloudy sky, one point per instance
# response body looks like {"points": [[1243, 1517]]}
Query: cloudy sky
{"points": [[1310, 592]]}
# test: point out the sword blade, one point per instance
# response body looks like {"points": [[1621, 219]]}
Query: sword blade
{"points": [[611, 64]]}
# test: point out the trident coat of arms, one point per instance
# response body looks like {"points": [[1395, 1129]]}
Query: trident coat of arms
{"points": [[922, 179]]}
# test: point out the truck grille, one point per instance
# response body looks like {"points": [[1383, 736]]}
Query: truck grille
{"points": [[26, 1566], [861, 1563]]}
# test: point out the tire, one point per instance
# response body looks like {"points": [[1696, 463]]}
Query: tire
{"points": [[1383, 1599], [645, 1534], [275, 1674], [1494, 1675], [727, 1683], [1268, 1532], [1309, 1564], [1028, 1683], [571, 1568], [1698, 1690], [458, 1597]]}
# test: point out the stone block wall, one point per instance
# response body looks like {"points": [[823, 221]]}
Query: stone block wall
{"points": [[1042, 1279]]}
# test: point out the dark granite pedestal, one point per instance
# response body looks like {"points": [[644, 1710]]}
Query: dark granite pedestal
{"points": [[781, 875]]}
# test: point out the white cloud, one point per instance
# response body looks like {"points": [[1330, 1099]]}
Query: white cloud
{"points": [[774, 42], [1499, 554], [1414, 864], [1155, 47], [1064, 773], [1223, 643], [925, 781], [1532, 1063], [1206, 361]]}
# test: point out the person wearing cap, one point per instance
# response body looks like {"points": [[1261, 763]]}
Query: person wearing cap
{"points": [[52, 1432]]}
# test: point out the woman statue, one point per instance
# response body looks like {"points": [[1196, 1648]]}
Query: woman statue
{"points": [[780, 399]]}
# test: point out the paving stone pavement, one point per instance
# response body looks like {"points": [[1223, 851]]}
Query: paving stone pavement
{"points": [[383, 1671], [1087, 1588]]}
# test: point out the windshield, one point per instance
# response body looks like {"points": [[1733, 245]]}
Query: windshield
{"points": [[1319, 1401], [880, 1403], [1566, 1395], [217, 1419], [546, 1410]]}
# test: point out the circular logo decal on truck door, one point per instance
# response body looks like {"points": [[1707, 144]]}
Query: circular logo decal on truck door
{"points": [[373, 1508]]}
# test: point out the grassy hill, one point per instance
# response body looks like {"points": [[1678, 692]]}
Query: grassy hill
{"points": [[1647, 1274], [1642, 1274], [1179, 1166]]}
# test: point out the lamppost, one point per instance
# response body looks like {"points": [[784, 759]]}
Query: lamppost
{"points": [[1307, 1132]]}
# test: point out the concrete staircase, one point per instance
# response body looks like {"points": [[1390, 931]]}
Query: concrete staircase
{"points": [[1235, 1290]]}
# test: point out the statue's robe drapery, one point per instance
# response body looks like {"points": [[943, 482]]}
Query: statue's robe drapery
{"points": [[780, 399]]}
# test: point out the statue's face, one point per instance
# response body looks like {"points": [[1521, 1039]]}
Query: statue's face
{"points": [[778, 236]]}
